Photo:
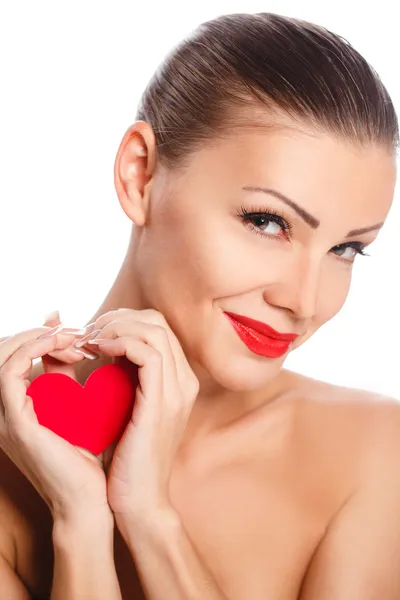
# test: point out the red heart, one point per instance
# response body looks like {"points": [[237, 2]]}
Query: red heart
{"points": [[92, 416]]}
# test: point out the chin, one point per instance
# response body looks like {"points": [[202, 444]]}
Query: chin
{"points": [[241, 373]]}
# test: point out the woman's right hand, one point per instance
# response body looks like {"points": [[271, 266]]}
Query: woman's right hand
{"points": [[70, 480]]}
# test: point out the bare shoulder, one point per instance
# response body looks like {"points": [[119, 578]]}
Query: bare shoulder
{"points": [[320, 398], [354, 425], [362, 411], [353, 434]]}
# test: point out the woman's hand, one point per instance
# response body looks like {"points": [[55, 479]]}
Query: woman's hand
{"points": [[70, 480], [64, 360], [138, 478]]}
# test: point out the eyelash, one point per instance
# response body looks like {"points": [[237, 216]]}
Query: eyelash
{"points": [[286, 225]]}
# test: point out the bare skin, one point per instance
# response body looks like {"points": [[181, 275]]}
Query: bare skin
{"points": [[269, 457], [256, 501]]}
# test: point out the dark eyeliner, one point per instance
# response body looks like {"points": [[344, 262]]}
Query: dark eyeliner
{"points": [[358, 246], [269, 215], [263, 212]]}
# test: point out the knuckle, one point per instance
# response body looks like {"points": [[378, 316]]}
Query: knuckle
{"points": [[160, 332], [156, 317]]}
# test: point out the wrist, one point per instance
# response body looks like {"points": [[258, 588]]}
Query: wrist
{"points": [[78, 512], [82, 526], [84, 558], [150, 526]]}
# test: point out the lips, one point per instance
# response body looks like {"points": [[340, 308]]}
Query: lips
{"points": [[263, 328], [271, 344]]}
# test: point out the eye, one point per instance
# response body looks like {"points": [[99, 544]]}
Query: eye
{"points": [[270, 224], [351, 248], [266, 222]]}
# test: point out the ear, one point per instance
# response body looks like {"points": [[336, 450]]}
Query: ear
{"points": [[133, 170]]}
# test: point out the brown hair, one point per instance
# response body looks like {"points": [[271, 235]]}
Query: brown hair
{"points": [[229, 68]]}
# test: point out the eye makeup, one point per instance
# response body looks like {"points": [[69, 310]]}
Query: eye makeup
{"points": [[258, 216]]}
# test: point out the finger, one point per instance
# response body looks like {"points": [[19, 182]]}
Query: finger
{"points": [[184, 370], [12, 343], [15, 371], [154, 336], [149, 360], [63, 360], [185, 373]]}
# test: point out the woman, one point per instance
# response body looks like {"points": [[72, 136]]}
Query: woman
{"points": [[261, 163]]}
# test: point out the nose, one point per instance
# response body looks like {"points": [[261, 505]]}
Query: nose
{"points": [[298, 288]]}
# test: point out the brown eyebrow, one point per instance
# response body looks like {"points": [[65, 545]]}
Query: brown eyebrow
{"points": [[309, 219], [364, 230], [306, 216]]}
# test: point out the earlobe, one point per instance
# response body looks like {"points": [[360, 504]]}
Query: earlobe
{"points": [[133, 171]]}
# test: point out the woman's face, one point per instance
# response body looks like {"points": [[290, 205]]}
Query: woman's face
{"points": [[198, 256]]}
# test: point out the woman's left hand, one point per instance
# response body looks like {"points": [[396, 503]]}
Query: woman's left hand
{"points": [[138, 477]]}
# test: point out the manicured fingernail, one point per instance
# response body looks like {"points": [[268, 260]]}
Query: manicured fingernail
{"points": [[88, 328], [100, 340], [51, 332], [87, 354], [52, 316], [72, 331], [83, 341]]}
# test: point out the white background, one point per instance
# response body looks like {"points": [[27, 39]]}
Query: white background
{"points": [[71, 76]]}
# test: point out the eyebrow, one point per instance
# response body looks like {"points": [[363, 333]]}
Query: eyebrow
{"points": [[306, 216]]}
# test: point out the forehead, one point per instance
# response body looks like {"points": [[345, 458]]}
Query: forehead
{"points": [[318, 170]]}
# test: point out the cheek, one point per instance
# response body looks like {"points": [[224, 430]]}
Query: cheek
{"points": [[177, 266], [204, 258], [334, 289]]}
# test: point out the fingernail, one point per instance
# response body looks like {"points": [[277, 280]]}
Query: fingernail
{"points": [[100, 340], [83, 341], [87, 354], [72, 331], [88, 328], [51, 332], [52, 316]]}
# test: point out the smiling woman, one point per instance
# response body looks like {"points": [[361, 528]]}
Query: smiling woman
{"points": [[261, 164]]}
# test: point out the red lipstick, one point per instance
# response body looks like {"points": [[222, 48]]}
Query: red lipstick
{"points": [[259, 337]]}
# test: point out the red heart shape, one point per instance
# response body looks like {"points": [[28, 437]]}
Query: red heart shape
{"points": [[92, 416]]}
